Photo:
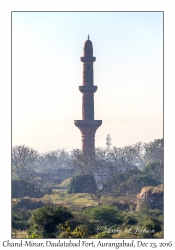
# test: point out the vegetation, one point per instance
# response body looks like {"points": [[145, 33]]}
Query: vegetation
{"points": [[22, 188], [105, 215], [44, 221], [97, 201], [82, 184], [154, 170], [58, 221]]}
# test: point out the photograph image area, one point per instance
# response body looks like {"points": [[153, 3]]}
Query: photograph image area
{"points": [[87, 125]]}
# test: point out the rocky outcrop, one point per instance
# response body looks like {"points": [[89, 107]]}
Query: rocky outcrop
{"points": [[151, 195]]}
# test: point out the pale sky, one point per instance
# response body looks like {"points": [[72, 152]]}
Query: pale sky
{"points": [[47, 71]]}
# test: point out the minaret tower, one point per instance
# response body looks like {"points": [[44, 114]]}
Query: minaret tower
{"points": [[88, 125]]}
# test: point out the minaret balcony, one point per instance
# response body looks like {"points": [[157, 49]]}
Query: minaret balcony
{"points": [[87, 59], [88, 89], [91, 124]]}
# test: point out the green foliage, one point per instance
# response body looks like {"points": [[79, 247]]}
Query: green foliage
{"points": [[96, 222], [22, 188], [131, 182], [82, 184], [45, 220], [78, 232], [18, 222], [105, 214], [154, 170], [24, 161], [34, 236], [136, 182], [20, 225], [154, 151], [152, 224], [83, 221], [130, 220], [58, 222], [151, 219]]}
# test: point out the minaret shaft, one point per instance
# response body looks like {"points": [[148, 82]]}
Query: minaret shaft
{"points": [[88, 106], [88, 125]]}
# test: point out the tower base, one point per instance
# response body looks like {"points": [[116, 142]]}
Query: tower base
{"points": [[88, 129]]}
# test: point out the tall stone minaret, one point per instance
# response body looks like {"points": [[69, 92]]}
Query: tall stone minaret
{"points": [[88, 125]]}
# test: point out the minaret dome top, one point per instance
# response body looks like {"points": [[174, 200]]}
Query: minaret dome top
{"points": [[88, 44]]}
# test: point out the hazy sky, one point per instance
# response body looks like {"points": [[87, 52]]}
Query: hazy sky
{"points": [[46, 73]]}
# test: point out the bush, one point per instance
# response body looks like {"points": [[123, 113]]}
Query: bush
{"points": [[152, 224], [130, 220], [83, 221], [78, 232], [154, 170], [20, 225], [131, 182], [18, 222], [45, 220], [82, 184], [22, 188], [105, 214]]}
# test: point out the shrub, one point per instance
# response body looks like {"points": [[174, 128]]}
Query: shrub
{"points": [[105, 214], [82, 184], [45, 220], [20, 225], [83, 221], [21, 188], [131, 182], [18, 222], [130, 220], [155, 170], [152, 224], [78, 232]]}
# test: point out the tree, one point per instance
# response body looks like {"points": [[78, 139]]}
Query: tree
{"points": [[45, 221], [154, 170], [82, 184], [154, 151], [27, 166], [83, 163], [56, 159], [130, 182], [127, 157], [24, 161], [21, 188]]}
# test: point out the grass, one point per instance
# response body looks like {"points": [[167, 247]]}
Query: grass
{"points": [[65, 183], [81, 200], [77, 201]]}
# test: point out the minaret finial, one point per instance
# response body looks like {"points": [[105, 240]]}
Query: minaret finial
{"points": [[88, 36]]}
